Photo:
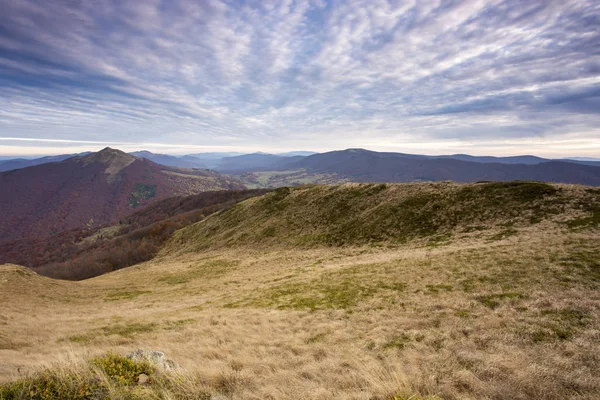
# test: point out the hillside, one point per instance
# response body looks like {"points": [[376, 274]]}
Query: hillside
{"points": [[84, 253], [359, 291], [390, 214], [91, 191], [358, 165]]}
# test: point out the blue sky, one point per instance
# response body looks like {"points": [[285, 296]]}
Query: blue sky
{"points": [[182, 76]]}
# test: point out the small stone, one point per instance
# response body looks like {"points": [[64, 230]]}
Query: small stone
{"points": [[143, 379], [155, 357]]}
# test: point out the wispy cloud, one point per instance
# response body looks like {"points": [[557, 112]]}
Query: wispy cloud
{"points": [[304, 74]]}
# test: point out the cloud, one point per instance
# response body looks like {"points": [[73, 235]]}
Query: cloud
{"points": [[302, 73]]}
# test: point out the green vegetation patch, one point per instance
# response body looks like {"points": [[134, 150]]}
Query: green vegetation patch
{"points": [[126, 295], [128, 330], [380, 214], [557, 325], [584, 262], [398, 342], [506, 233], [494, 300], [204, 270], [441, 287], [334, 290], [592, 220], [569, 316], [110, 376], [141, 192], [121, 370], [174, 279]]}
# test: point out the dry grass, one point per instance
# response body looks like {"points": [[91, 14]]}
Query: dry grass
{"points": [[514, 317]]}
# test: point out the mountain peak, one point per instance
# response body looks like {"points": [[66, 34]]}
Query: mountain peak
{"points": [[115, 160], [109, 156]]}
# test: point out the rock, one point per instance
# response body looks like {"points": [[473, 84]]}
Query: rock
{"points": [[155, 357], [143, 379]]}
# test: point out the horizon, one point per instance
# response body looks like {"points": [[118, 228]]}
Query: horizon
{"points": [[465, 77], [237, 153]]}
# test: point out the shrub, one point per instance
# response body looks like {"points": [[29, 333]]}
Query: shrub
{"points": [[122, 370], [98, 379]]}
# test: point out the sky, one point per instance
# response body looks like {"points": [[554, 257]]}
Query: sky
{"points": [[183, 76]]}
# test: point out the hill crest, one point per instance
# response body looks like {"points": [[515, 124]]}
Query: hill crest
{"points": [[389, 214], [114, 160]]}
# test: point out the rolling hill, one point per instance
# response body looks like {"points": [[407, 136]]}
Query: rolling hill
{"points": [[390, 214], [90, 191], [358, 291]]}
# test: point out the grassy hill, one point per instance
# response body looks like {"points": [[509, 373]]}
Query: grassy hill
{"points": [[480, 291], [390, 214]]}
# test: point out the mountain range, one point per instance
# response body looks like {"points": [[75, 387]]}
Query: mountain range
{"points": [[233, 162], [358, 165]]}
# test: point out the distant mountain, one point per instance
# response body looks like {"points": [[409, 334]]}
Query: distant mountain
{"points": [[502, 160], [92, 190], [2, 158], [16, 163], [296, 153], [528, 159], [240, 162], [360, 165], [255, 162], [170, 161], [592, 162], [215, 155]]}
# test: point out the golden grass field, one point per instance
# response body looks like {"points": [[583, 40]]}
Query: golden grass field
{"points": [[510, 310]]}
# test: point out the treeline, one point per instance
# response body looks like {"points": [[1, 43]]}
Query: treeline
{"points": [[135, 239]]}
